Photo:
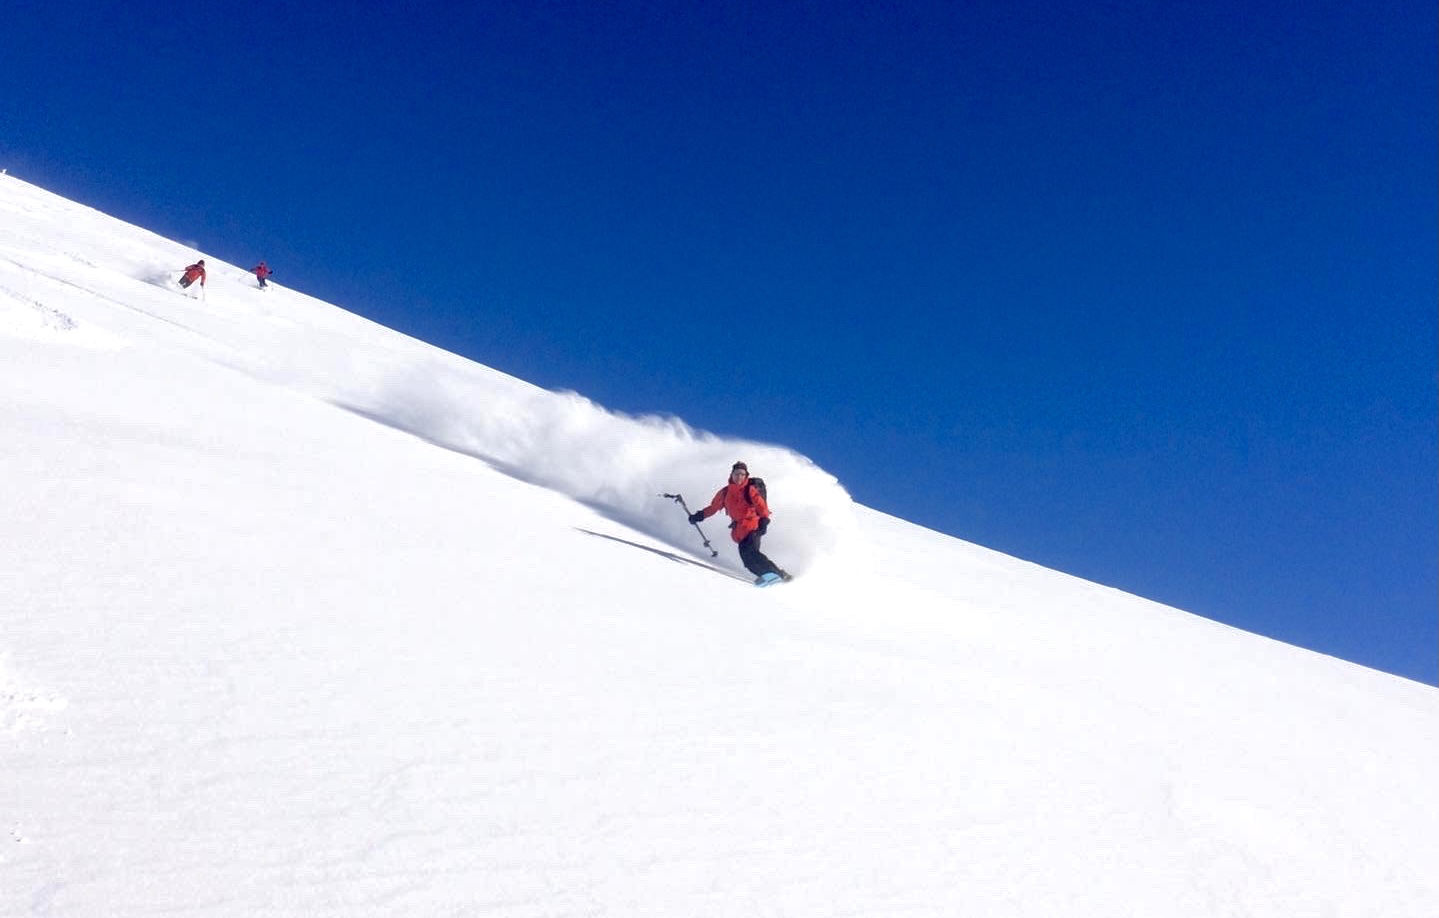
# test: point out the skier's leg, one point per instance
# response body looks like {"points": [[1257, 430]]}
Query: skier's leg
{"points": [[749, 556], [754, 560]]}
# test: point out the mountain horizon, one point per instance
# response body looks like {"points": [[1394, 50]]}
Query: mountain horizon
{"points": [[307, 616]]}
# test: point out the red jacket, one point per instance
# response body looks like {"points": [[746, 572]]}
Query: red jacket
{"points": [[746, 511], [194, 271], [262, 270]]}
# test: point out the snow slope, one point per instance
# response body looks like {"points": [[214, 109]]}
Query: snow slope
{"points": [[304, 617]]}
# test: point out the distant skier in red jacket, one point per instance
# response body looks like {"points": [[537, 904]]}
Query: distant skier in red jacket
{"points": [[749, 520], [197, 270], [262, 271]]}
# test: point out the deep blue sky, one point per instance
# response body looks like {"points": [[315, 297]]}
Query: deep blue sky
{"points": [[1142, 291]]}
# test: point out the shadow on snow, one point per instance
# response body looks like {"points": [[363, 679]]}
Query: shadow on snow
{"points": [[669, 555]]}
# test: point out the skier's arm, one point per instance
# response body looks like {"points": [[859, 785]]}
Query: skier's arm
{"points": [[761, 506], [715, 504]]}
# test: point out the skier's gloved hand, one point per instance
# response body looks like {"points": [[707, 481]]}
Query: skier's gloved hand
{"points": [[763, 525], [697, 516]]}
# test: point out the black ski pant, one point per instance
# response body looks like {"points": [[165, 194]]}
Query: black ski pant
{"points": [[753, 559]]}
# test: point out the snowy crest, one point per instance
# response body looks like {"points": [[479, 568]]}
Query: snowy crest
{"points": [[259, 655]]}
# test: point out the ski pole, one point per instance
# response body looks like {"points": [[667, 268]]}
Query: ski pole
{"points": [[679, 499]]}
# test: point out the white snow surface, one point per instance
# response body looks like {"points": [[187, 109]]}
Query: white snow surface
{"points": [[300, 616]]}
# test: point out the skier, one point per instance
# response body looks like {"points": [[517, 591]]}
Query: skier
{"points": [[749, 521], [197, 270], [262, 271]]}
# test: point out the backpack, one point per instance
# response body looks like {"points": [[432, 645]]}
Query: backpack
{"points": [[758, 485]]}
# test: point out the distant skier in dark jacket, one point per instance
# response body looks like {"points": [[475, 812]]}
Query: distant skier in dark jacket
{"points": [[749, 520], [192, 273], [262, 271]]}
